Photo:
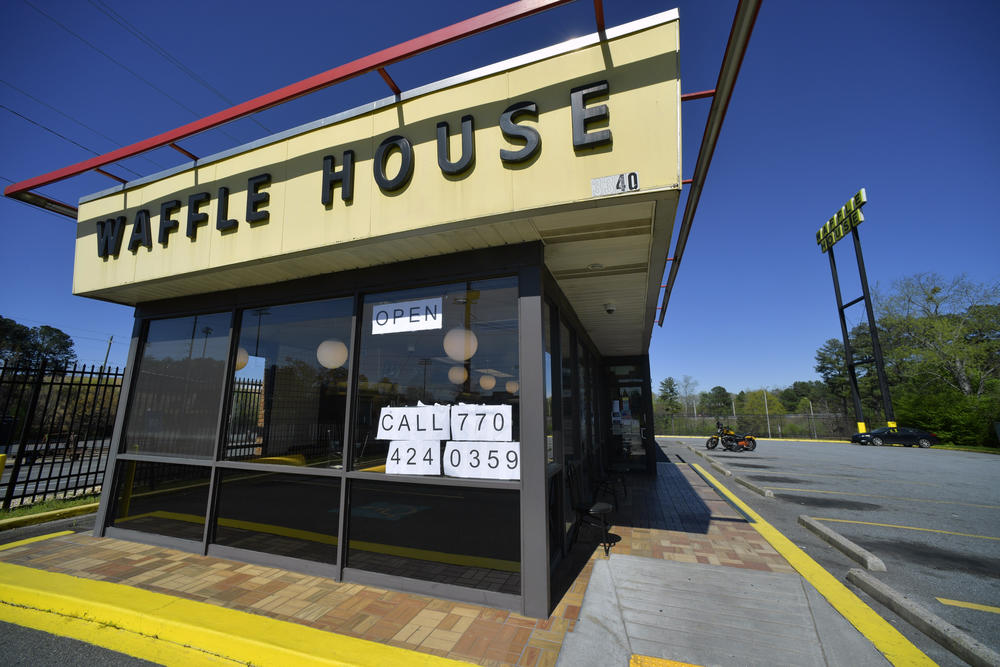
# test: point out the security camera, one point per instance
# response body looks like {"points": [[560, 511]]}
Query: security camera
{"points": [[609, 308]]}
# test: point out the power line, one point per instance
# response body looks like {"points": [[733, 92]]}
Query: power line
{"points": [[146, 39], [123, 66], [80, 123], [61, 136]]}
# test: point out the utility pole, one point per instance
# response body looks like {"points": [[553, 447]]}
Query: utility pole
{"points": [[108, 352], [812, 417], [766, 413]]}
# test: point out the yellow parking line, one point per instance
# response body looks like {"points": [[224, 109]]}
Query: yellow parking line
{"points": [[21, 543], [888, 640], [926, 530], [970, 605], [873, 495]]}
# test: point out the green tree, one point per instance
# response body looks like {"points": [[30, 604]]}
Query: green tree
{"points": [[19, 344], [715, 402], [669, 396]]}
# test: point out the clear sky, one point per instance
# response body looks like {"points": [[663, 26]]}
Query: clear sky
{"points": [[898, 97]]}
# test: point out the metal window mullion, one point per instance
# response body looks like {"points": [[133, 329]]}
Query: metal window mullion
{"points": [[139, 328], [221, 429], [347, 457], [533, 498]]}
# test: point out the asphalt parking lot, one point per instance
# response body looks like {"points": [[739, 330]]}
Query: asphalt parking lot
{"points": [[933, 517]]}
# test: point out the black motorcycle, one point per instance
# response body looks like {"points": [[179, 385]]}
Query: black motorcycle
{"points": [[730, 440]]}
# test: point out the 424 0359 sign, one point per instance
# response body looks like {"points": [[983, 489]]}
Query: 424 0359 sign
{"points": [[478, 441]]}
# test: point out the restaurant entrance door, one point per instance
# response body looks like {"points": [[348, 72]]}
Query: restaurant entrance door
{"points": [[631, 413]]}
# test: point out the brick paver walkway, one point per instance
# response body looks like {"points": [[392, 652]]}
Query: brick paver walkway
{"points": [[675, 516]]}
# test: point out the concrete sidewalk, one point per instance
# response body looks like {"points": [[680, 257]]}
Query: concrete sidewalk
{"points": [[691, 580]]}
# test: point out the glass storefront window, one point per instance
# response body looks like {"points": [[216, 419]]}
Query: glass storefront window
{"points": [[174, 407], [288, 515], [161, 498], [289, 397], [444, 345], [456, 535]]}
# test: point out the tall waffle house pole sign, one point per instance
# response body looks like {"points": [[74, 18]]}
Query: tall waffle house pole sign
{"points": [[844, 222]]}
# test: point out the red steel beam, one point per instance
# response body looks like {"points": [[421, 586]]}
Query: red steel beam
{"points": [[388, 79], [183, 151], [599, 15], [697, 96], [111, 176], [380, 59]]}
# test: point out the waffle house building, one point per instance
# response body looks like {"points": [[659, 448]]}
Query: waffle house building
{"points": [[396, 346]]}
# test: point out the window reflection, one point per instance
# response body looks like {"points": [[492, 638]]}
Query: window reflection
{"points": [[161, 498], [290, 384], [465, 352], [456, 535], [174, 408], [288, 515]]}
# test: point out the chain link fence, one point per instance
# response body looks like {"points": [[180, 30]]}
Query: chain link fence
{"points": [[821, 426]]}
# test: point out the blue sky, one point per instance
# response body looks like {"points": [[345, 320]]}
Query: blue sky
{"points": [[899, 98]]}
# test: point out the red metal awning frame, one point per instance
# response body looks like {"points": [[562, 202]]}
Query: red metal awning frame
{"points": [[739, 37], [376, 62]]}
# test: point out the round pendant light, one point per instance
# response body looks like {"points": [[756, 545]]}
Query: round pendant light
{"points": [[460, 344], [512, 386], [457, 374], [242, 359], [331, 354], [487, 382]]}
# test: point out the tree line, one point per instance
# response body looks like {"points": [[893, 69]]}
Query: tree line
{"points": [[940, 340], [30, 346]]}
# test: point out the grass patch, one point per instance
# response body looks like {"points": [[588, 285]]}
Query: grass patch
{"points": [[980, 450], [49, 506]]}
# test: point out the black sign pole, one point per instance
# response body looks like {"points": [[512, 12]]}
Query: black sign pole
{"points": [[848, 354], [883, 383]]}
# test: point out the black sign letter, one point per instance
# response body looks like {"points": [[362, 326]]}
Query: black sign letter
{"points": [[194, 217], [167, 225], [140, 231], [405, 148], [345, 177], [582, 116], [222, 221], [110, 234], [256, 199], [511, 131], [468, 158]]}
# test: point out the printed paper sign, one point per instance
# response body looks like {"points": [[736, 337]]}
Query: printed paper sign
{"points": [[407, 316], [481, 422], [483, 460], [421, 422], [408, 457]]}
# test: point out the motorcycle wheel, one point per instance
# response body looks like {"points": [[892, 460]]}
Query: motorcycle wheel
{"points": [[712, 442], [751, 444]]}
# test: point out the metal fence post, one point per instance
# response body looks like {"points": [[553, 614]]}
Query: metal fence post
{"points": [[22, 443]]}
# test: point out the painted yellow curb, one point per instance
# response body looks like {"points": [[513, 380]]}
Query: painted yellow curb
{"points": [[648, 661], [42, 517], [175, 624], [21, 543], [888, 640]]}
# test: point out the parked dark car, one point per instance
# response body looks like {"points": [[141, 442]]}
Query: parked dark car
{"points": [[898, 435]]}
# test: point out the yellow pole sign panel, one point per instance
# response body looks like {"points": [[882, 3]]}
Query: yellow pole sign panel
{"points": [[843, 221]]}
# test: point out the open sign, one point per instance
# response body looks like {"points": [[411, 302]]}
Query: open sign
{"points": [[407, 316]]}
